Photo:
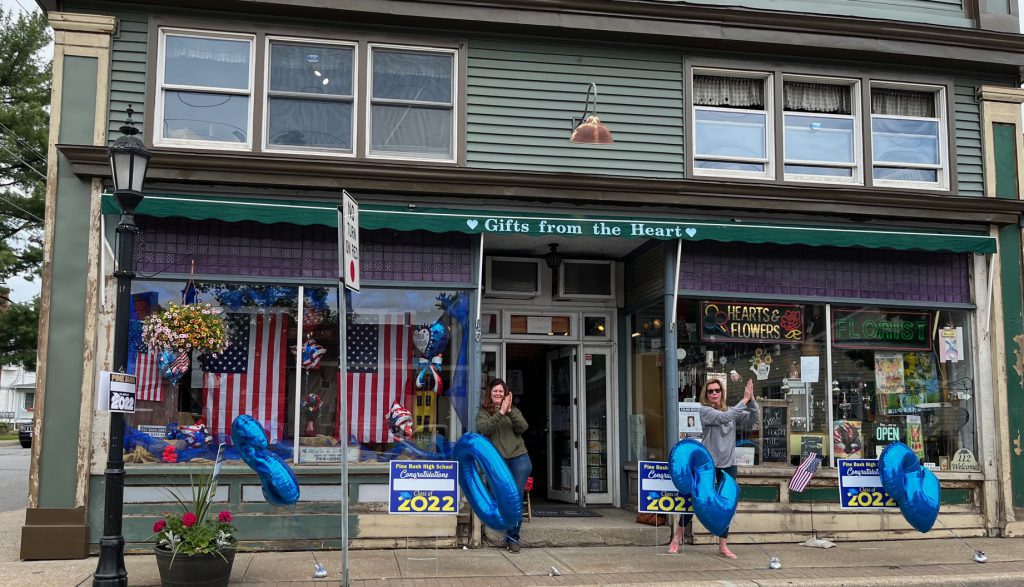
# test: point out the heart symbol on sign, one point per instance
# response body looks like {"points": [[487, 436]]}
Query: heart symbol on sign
{"points": [[690, 232], [471, 223]]}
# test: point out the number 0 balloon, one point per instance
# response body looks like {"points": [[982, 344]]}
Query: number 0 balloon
{"points": [[498, 506], [914, 487]]}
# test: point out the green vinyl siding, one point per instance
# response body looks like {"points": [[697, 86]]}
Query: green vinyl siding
{"points": [[938, 12], [522, 95], [128, 72], [966, 128]]}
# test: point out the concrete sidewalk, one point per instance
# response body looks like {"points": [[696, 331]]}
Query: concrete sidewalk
{"points": [[945, 561]]}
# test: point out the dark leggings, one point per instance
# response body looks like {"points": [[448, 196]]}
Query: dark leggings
{"points": [[687, 519]]}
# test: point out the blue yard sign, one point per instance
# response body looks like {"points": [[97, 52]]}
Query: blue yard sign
{"points": [[657, 494], [423, 487], [860, 486]]}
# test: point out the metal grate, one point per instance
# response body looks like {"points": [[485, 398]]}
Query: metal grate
{"points": [[252, 249], [826, 272]]}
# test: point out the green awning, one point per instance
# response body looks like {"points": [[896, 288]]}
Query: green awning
{"points": [[600, 225]]}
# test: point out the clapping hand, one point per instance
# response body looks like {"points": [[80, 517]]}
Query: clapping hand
{"points": [[748, 391], [506, 404]]}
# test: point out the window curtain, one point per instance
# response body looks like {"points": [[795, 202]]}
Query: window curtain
{"points": [[812, 97], [895, 102], [728, 92]]}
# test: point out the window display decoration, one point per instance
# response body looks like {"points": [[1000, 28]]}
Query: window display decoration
{"points": [[693, 474], [280, 487], [311, 354], [195, 435], [181, 329], [751, 322], [915, 488], [311, 405], [400, 420]]}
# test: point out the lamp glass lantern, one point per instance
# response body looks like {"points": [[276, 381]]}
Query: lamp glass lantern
{"points": [[129, 161]]}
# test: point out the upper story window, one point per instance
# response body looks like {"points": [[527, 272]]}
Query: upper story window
{"points": [[206, 86], [908, 136], [731, 121], [310, 96], [820, 140], [412, 103], [828, 132]]}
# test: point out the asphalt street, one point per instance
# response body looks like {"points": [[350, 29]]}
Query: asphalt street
{"points": [[14, 462]]}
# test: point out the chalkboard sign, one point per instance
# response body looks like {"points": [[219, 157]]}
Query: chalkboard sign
{"points": [[774, 432]]}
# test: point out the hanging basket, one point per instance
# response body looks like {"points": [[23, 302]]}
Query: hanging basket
{"points": [[181, 328]]}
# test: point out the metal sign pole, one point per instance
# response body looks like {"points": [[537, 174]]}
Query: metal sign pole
{"points": [[348, 279]]}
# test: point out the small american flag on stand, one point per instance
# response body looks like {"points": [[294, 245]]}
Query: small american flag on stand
{"points": [[802, 476]]}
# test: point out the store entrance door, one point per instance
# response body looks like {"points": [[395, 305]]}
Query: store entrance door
{"points": [[563, 444]]}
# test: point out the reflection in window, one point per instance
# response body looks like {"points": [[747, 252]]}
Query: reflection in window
{"points": [[310, 95]]}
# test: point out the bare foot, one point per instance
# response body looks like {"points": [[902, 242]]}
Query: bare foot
{"points": [[673, 547], [724, 551]]}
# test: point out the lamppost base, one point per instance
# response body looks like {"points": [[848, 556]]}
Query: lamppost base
{"points": [[111, 572]]}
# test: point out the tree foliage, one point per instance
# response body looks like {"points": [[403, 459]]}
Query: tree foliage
{"points": [[24, 127]]}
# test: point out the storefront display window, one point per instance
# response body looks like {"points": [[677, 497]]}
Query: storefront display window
{"points": [[904, 375], [407, 355], [647, 372], [781, 348]]}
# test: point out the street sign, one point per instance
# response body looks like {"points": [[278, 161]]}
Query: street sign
{"points": [[657, 494], [348, 228]]}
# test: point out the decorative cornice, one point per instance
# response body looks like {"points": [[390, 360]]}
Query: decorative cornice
{"points": [[82, 23], [298, 175], [1001, 94]]}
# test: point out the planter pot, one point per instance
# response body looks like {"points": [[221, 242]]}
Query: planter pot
{"points": [[202, 570]]}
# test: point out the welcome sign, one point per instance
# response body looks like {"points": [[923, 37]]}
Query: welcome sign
{"points": [[751, 322]]}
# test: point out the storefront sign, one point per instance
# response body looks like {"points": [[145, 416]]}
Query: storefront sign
{"points": [[348, 225], [423, 487], [854, 328], [963, 460], [751, 322], [327, 454], [774, 434], [116, 393], [860, 486], [657, 494], [887, 433]]}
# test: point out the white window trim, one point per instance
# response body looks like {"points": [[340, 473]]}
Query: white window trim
{"points": [[368, 97], [158, 117], [321, 151], [769, 130], [942, 118], [857, 176]]}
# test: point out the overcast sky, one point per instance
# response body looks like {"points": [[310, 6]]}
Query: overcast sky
{"points": [[22, 290]]}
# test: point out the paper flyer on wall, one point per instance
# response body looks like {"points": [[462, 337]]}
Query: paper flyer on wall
{"points": [[889, 381], [847, 442], [915, 439], [951, 344], [689, 419]]}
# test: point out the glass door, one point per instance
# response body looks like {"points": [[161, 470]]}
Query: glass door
{"points": [[596, 432], [563, 444]]}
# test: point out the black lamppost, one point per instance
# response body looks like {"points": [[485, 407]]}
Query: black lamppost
{"points": [[128, 162]]}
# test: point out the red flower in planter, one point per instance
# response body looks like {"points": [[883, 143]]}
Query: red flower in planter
{"points": [[224, 517], [159, 525], [189, 519]]}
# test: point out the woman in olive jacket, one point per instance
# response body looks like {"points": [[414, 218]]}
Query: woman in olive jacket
{"points": [[503, 424]]}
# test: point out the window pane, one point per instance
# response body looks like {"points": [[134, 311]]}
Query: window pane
{"points": [[902, 174], [404, 75], [310, 123], [817, 138], [647, 389], [816, 170], [314, 69], [738, 134], [897, 140], [206, 117], [213, 63], [728, 165], [902, 102], [405, 129]]}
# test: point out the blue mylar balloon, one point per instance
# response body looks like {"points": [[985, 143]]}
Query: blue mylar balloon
{"points": [[913, 487], [280, 487], [497, 503], [438, 340], [693, 474]]}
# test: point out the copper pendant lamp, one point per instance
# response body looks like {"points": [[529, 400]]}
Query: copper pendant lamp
{"points": [[592, 131]]}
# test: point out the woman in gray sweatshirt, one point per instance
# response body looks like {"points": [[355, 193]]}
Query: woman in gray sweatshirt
{"points": [[719, 425]]}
